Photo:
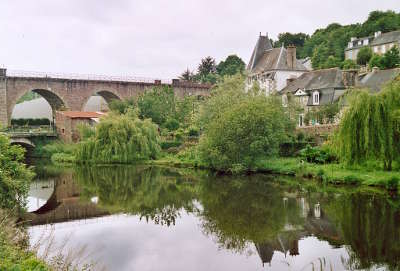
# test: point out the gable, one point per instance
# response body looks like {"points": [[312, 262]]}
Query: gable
{"points": [[300, 92]]}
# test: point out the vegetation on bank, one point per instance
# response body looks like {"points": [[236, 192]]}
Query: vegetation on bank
{"points": [[15, 178], [239, 130]]}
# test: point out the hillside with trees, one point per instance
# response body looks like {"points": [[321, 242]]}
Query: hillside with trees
{"points": [[326, 45]]}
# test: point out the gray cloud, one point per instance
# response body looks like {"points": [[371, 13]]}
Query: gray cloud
{"points": [[157, 38]]}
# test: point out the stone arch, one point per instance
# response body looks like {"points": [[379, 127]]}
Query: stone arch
{"points": [[107, 95], [55, 101]]}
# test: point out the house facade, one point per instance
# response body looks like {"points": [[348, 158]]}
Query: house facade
{"points": [[380, 43], [272, 67], [317, 88], [67, 123]]}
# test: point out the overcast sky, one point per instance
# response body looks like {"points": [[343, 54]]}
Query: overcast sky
{"points": [[155, 38]]}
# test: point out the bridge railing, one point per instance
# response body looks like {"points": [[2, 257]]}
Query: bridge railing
{"points": [[90, 77], [30, 130]]}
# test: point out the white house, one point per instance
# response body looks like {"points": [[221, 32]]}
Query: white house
{"points": [[272, 67]]}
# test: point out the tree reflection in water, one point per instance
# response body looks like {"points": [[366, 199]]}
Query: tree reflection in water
{"points": [[238, 212], [153, 193]]}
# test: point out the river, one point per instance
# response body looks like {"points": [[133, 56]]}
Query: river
{"points": [[157, 218]]}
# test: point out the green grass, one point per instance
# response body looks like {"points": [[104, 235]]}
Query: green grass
{"points": [[329, 173]]}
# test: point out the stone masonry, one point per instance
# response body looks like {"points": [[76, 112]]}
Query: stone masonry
{"points": [[72, 94]]}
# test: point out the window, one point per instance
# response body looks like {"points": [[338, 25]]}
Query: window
{"points": [[316, 98], [301, 120]]}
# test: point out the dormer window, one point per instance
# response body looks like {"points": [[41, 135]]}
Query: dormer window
{"points": [[315, 98]]}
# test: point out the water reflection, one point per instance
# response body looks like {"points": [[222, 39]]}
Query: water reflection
{"points": [[235, 223]]}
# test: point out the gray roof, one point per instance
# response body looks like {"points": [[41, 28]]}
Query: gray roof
{"points": [[386, 38], [266, 58], [318, 79], [328, 82], [262, 45], [383, 38], [375, 79]]}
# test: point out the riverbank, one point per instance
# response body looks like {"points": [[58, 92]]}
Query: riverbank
{"points": [[328, 173], [14, 247]]}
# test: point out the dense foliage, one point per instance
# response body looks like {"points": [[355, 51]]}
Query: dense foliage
{"points": [[240, 127], [14, 175], [30, 122], [389, 60], [209, 72], [370, 128], [120, 139], [364, 55], [297, 39], [332, 40]]}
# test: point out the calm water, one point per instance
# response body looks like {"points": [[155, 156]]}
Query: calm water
{"points": [[151, 218]]}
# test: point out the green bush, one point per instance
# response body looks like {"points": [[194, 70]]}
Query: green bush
{"points": [[241, 126], [170, 144], [351, 179], [317, 155], [393, 184], [15, 177], [172, 124], [120, 139], [30, 122], [194, 132]]}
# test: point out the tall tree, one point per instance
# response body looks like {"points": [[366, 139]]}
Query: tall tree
{"points": [[207, 66], [231, 66], [187, 75], [296, 39], [364, 55]]}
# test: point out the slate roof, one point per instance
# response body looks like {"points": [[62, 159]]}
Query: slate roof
{"points": [[266, 58], [318, 79], [263, 44], [386, 38], [377, 78], [383, 38], [328, 82]]}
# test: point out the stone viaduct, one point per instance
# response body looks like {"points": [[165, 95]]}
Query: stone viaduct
{"points": [[71, 92]]}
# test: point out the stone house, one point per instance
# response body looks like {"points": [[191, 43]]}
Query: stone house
{"points": [[318, 88], [380, 43], [325, 87], [67, 123], [272, 67]]}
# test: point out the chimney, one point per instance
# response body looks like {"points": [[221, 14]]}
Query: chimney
{"points": [[349, 78], [291, 56], [3, 72], [175, 81]]}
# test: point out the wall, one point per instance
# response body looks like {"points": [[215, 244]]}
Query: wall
{"points": [[73, 94], [3, 98]]}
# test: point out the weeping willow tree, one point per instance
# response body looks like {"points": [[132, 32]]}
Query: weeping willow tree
{"points": [[120, 139], [370, 128]]}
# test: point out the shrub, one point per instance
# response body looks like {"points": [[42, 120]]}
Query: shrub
{"points": [[120, 139], [170, 144], [193, 131], [30, 122], [241, 127], [172, 124], [393, 184], [351, 179], [14, 175], [317, 155]]}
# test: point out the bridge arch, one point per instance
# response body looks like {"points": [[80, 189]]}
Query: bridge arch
{"points": [[107, 95], [25, 143], [56, 101]]}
